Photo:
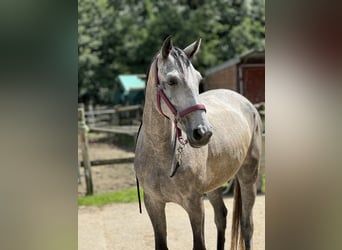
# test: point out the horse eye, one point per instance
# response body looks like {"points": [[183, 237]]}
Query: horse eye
{"points": [[172, 82]]}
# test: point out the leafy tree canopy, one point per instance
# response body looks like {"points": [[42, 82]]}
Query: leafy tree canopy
{"points": [[121, 37]]}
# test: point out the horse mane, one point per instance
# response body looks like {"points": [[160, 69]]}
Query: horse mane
{"points": [[180, 57]]}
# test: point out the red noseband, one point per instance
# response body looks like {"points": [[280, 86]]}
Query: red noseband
{"points": [[161, 95]]}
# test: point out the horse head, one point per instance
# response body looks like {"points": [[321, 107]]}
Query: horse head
{"points": [[178, 86]]}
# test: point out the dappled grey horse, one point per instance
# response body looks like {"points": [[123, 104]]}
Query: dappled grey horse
{"points": [[190, 144]]}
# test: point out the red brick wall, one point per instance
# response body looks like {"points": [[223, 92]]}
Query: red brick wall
{"points": [[225, 78]]}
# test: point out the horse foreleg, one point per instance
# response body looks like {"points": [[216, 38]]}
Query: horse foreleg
{"points": [[195, 210], [220, 211], [156, 212]]}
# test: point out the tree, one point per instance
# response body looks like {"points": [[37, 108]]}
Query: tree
{"points": [[117, 37], [92, 29]]}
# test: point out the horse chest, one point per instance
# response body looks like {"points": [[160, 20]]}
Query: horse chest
{"points": [[155, 178]]}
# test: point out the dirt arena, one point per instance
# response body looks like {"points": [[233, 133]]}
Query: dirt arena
{"points": [[120, 226]]}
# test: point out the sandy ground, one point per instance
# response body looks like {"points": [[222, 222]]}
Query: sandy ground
{"points": [[120, 226], [108, 178]]}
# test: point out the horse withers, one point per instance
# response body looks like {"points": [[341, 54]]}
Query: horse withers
{"points": [[190, 144]]}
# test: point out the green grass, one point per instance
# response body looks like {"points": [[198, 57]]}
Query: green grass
{"points": [[263, 187], [124, 196]]}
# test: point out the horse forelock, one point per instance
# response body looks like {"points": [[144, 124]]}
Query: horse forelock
{"points": [[180, 58]]}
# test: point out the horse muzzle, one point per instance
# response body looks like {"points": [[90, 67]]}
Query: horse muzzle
{"points": [[200, 136]]}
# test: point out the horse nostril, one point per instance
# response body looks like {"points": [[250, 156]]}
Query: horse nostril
{"points": [[201, 132], [197, 133]]}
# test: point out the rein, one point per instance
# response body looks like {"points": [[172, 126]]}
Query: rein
{"points": [[136, 177], [177, 114]]}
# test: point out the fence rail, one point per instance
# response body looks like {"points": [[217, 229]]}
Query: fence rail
{"points": [[109, 161], [108, 120], [128, 130], [117, 115]]}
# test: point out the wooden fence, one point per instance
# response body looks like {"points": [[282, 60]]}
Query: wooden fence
{"points": [[107, 120], [109, 116], [110, 120], [83, 135]]}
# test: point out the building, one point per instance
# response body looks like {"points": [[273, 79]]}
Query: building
{"points": [[130, 90], [244, 74]]}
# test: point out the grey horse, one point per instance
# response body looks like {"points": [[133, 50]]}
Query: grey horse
{"points": [[190, 144]]}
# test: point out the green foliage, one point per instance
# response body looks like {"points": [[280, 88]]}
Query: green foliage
{"points": [[124, 196], [121, 37], [263, 187], [93, 23]]}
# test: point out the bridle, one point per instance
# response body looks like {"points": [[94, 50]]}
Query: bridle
{"points": [[177, 114]]}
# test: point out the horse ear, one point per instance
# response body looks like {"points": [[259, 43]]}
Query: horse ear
{"points": [[193, 48], [167, 46]]}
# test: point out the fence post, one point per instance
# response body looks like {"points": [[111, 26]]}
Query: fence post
{"points": [[91, 117], [83, 132], [79, 172]]}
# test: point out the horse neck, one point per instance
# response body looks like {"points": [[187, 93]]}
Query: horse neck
{"points": [[157, 128]]}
